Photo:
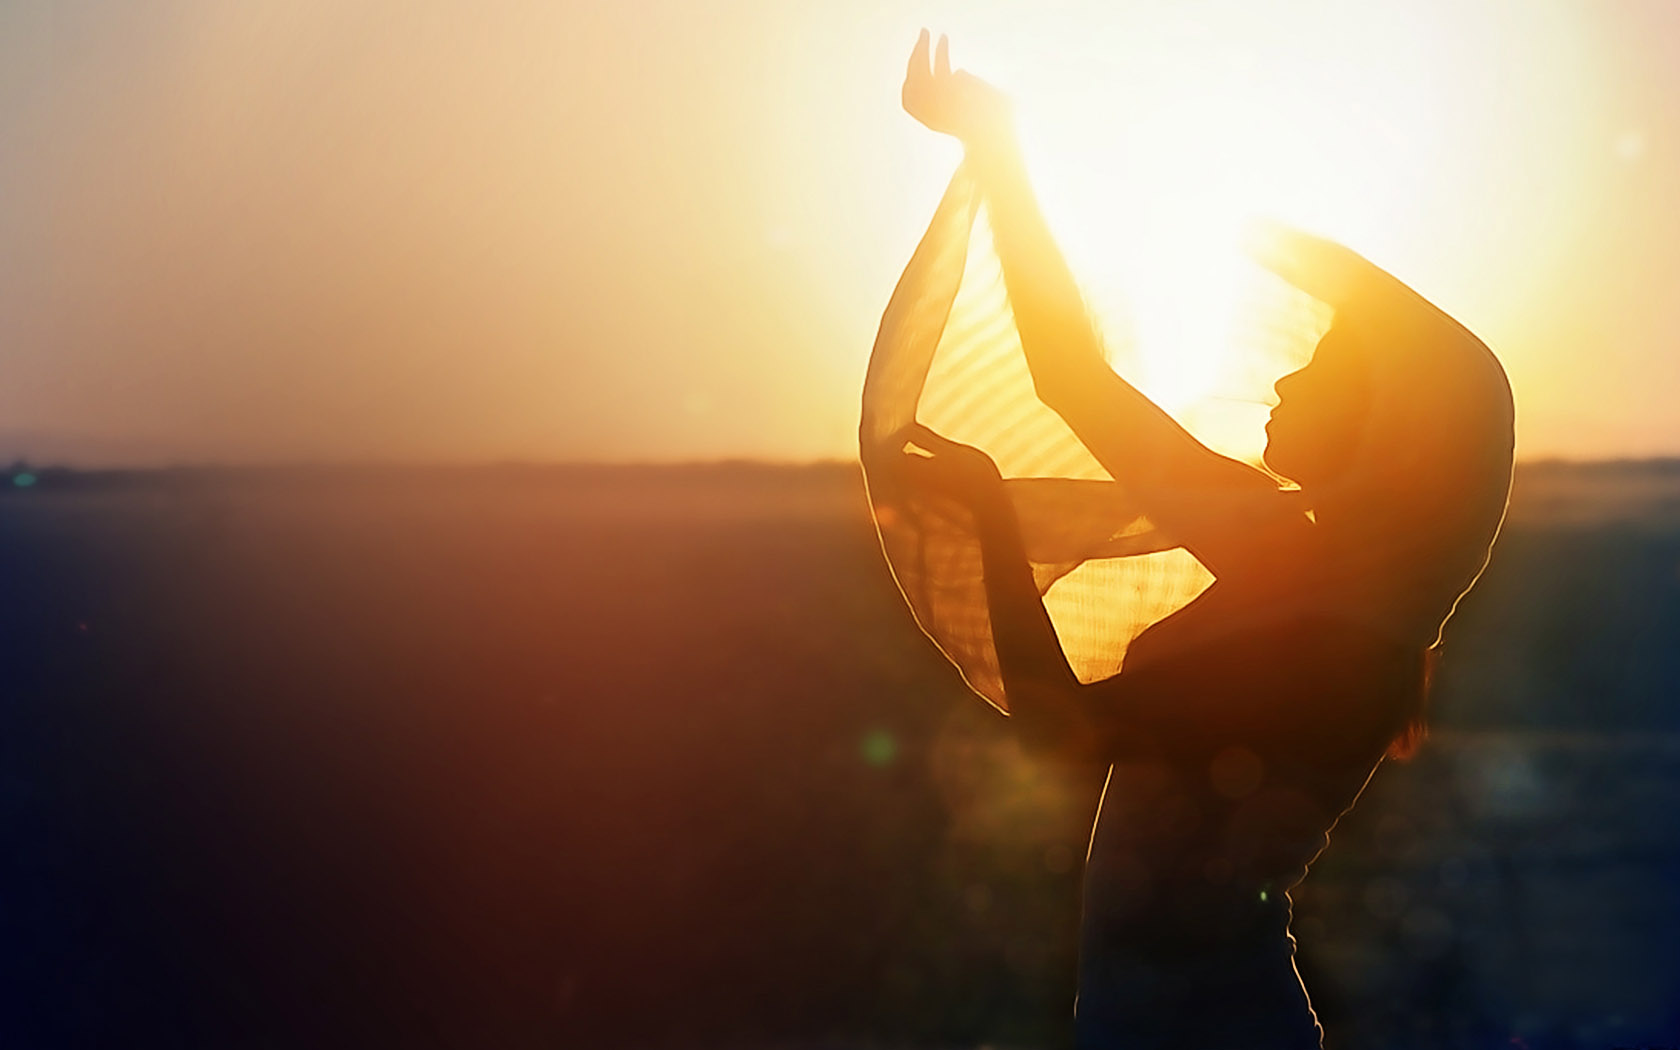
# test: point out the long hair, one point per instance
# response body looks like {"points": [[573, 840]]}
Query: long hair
{"points": [[1413, 713], [1431, 477], [1420, 497]]}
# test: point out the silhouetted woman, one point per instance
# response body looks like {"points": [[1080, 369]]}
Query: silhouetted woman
{"points": [[1244, 725]]}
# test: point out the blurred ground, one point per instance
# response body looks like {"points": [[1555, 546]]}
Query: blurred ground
{"points": [[655, 757]]}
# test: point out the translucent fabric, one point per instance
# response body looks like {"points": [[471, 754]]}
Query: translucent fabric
{"points": [[947, 355]]}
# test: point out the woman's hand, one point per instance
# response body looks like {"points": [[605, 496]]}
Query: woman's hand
{"points": [[962, 472], [959, 103]]}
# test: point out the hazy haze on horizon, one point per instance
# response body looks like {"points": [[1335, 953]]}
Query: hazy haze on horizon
{"points": [[665, 231]]}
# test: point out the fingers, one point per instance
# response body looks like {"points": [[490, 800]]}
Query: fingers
{"points": [[914, 434], [918, 58], [919, 65], [939, 444], [918, 436], [926, 438]]}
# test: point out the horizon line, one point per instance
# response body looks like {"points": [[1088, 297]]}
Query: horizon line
{"points": [[22, 464]]}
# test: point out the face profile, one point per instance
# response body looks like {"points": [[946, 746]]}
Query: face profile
{"points": [[1319, 425]]}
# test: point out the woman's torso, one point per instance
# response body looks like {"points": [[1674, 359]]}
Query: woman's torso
{"points": [[1203, 830], [1238, 805]]}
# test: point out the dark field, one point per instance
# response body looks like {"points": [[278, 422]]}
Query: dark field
{"points": [[655, 757]]}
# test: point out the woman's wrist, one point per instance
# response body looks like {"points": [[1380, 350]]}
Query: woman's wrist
{"points": [[992, 145]]}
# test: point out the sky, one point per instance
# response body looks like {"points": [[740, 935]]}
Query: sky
{"points": [[665, 229]]}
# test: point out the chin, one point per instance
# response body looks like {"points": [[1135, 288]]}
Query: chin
{"points": [[1277, 461], [1302, 471]]}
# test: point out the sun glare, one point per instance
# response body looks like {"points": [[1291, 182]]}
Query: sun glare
{"points": [[1156, 138]]}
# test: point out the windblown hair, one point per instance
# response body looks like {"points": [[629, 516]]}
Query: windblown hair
{"points": [[1432, 475]]}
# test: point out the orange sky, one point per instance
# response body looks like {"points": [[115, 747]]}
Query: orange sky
{"points": [[442, 230]]}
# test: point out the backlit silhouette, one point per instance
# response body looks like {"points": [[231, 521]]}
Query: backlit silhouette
{"points": [[1241, 652]]}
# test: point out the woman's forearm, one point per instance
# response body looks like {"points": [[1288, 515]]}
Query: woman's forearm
{"points": [[1047, 703], [1027, 647], [1129, 434], [1061, 344]]}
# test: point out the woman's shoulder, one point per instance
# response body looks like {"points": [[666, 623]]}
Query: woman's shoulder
{"points": [[1260, 538], [1301, 645]]}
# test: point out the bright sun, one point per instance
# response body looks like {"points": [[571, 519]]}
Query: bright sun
{"points": [[1155, 145]]}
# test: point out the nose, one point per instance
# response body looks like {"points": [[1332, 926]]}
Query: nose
{"points": [[1287, 383]]}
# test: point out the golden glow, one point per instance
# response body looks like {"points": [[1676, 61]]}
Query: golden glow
{"points": [[1089, 620], [663, 229], [1156, 135], [1211, 127]]}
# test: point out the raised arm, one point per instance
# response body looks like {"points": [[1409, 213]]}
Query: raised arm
{"points": [[1047, 704], [1213, 503], [1306, 681]]}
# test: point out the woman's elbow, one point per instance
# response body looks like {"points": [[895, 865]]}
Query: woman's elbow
{"points": [[1056, 730], [1059, 748], [1063, 390]]}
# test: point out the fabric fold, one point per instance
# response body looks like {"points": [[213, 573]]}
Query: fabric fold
{"points": [[947, 355]]}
